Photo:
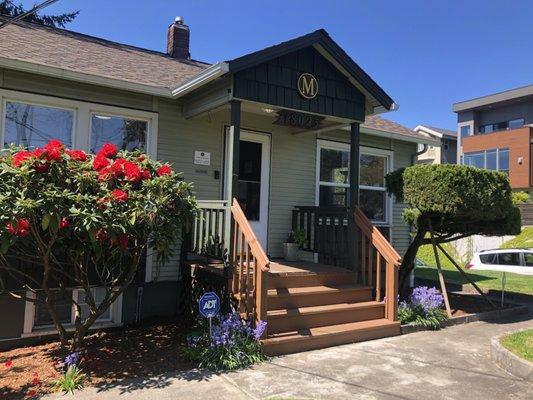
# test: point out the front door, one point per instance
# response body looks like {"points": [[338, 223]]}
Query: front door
{"points": [[254, 181]]}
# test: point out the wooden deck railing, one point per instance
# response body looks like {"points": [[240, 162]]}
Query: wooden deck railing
{"points": [[377, 254], [250, 267], [211, 229]]}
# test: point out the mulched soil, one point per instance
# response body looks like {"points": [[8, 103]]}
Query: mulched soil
{"points": [[110, 357], [470, 304]]}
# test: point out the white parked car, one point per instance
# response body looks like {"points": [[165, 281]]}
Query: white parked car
{"points": [[518, 261]]}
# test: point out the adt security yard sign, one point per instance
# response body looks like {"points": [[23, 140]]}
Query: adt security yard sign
{"points": [[209, 305]]}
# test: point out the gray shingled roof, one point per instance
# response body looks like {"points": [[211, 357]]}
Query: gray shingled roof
{"points": [[445, 132], [76, 52], [379, 123]]}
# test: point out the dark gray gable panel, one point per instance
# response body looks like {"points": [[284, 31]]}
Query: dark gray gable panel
{"points": [[275, 82]]}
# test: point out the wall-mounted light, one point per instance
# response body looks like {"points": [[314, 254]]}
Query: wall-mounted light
{"points": [[269, 110], [520, 160]]}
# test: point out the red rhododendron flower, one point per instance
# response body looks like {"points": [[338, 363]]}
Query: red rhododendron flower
{"points": [[105, 174], [53, 149], [31, 393], [99, 162], [118, 167], [54, 143], [119, 195], [8, 364], [164, 170], [21, 228], [37, 152], [35, 380], [132, 172], [108, 150], [20, 157], [145, 174], [77, 155], [63, 223], [41, 167]]}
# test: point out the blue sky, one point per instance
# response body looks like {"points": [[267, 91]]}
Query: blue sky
{"points": [[426, 54]]}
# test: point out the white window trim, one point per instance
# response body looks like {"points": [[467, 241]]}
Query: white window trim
{"points": [[332, 145], [81, 130], [29, 317]]}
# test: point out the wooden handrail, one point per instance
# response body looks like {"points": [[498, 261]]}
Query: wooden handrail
{"points": [[373, 241], [250, 266]]}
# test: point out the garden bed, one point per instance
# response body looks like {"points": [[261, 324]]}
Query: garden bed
{"points": [[111, 357], [470, 308]]}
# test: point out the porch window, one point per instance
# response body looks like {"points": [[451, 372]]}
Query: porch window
{"points": [[125, 133], [32, 125], [333, 179]]}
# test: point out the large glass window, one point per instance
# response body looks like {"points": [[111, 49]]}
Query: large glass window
{"points": [[62, 306], [33, 125], [333, 185], [516, 123], [125, 133], [491, 159], [503, 160], [249, 185], [465, 131], [98, 296], [474, 159]]}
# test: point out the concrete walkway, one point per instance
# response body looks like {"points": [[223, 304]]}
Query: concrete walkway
{"points": [[453, 363]]}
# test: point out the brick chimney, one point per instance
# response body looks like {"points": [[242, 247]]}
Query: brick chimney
{"points": [[178, 40]]}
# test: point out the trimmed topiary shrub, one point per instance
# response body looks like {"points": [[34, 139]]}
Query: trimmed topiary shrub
{"points": [[456, 200]]}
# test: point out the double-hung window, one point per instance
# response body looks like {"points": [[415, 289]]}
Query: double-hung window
{"points": [[333, 179], [33, 125]]}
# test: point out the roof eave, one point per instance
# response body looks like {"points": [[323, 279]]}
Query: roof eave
{"points": [[207, 75], [56, 72], [398, 136]]}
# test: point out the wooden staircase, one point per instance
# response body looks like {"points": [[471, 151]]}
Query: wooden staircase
{"points": [[320, 306], [310, 306]]}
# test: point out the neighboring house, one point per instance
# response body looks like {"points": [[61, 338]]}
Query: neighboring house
{"points": [[446, 153], [275, 128], [494, 132]]}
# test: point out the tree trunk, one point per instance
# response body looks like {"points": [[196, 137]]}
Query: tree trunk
{"points": [[408, 261]]}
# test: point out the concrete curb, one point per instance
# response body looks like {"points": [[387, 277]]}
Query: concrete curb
{"points": [[464, 319], [508, 361]]}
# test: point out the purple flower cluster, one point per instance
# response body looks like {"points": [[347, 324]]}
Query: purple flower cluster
{"points": [[426, 298], [229, 331], [71, 360]]}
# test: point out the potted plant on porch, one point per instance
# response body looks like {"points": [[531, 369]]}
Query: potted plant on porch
{"points": [[295, 241]]}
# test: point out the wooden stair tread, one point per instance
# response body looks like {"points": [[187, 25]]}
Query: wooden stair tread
{"points": [[306, 290], [310, 310], [330, 330]]}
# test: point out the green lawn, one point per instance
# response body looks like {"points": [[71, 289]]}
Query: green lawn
{"points": [[484, 279], [520, 343]]}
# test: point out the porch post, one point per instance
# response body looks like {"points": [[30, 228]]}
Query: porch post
{"points": [[235, 139], [354, 197]]}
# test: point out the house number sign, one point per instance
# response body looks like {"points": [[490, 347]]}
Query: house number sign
{"points": [[307, 86], [298, 119]]}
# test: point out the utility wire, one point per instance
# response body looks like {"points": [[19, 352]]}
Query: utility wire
{"points": [[29, 12]]}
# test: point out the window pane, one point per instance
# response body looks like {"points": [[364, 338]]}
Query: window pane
{"points": [[491, 159], [62, 306], [487, 258], [529, 259], [33, 126], [516, 123], [509, 258], [98, 295], [334, 165], [126, 134], [503, 160], [465, 131], [475, 159], [333, 196], [373, 170], [250, 198], [373, 203]]}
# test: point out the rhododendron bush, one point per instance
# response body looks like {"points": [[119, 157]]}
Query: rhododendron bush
{"points": [[71, 219]]}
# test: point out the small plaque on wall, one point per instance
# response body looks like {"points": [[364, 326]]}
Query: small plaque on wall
{"points": [[202, 157]]}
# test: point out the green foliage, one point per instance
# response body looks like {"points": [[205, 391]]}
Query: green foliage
{"points": [[7, 7], [300, 238], [234, 344], [522, 241], [458, 199], [520, 343], [417, 317], [72, 379], [427, 256], [520, 197]]}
